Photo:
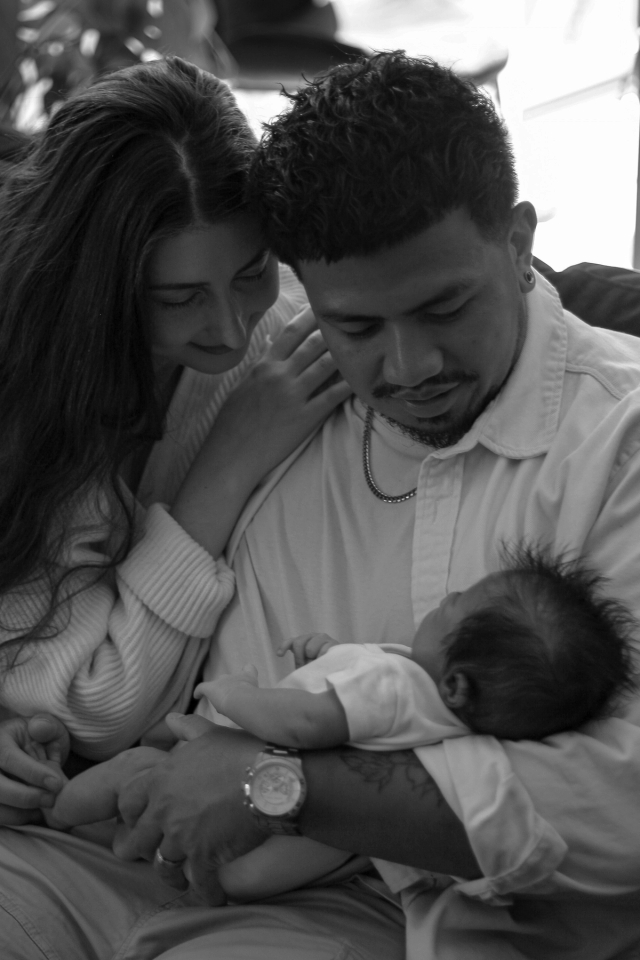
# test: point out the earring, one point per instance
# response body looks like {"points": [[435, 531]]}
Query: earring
{"points": [[529, 277]]}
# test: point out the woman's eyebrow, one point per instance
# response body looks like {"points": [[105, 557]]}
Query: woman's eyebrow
{"points": [[260, 255]]}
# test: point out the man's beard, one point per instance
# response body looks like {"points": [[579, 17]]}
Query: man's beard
{"points": [[456, 431], [444, 438]]}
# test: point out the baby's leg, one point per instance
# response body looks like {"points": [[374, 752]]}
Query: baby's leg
{"points": [[93, 794], [278, 865]]}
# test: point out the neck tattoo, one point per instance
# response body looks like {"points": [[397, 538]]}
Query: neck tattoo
{"points": [[366, 465]]}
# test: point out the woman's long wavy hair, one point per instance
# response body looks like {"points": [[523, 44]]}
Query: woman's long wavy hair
{"points": [[140, 155]]}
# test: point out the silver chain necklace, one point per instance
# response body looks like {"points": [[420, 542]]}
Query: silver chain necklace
{"points": [[366, 466]]}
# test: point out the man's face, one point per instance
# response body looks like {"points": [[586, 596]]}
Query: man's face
{"points": [[426, 332]]}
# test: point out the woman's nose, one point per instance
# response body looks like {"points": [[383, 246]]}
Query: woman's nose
{"points": [[227, 325]]}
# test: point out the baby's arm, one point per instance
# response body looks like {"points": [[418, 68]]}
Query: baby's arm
{"points": [[292, 718], [93, 795], [278, 865]]}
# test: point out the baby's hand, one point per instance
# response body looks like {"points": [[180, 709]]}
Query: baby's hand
{"points": [[217, 691], [32, 751], [308, 647], [187, 726]]}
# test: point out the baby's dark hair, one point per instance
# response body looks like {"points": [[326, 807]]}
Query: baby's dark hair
{"points": [[549, 652], [375, 151]]}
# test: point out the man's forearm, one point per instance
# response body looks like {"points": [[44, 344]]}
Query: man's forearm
{"points": [[383, 805]]}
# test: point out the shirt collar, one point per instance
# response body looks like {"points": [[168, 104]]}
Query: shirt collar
{"points": [[523, 419]]}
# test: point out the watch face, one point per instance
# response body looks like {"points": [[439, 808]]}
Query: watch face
{"points": [[276, 789]]}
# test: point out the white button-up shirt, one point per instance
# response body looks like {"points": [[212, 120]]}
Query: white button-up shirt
{"points": [[553, 460]]}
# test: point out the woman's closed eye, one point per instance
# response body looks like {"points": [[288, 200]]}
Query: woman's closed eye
{"points": [[191, 300], [259, 271]]}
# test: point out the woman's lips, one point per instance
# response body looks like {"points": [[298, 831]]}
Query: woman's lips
{"points": [[218, 350]]}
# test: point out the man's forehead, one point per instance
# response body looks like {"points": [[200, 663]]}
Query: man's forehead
{"points": [[436, 265]]}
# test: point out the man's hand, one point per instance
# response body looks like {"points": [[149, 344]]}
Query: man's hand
{"points": [[190, 807], [308, 647], [32, 751]]}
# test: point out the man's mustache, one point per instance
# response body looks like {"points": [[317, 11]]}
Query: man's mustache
{"points": [[385, 391]]}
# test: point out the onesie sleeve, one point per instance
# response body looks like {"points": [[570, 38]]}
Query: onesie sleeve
{"points": [[390, 702]]}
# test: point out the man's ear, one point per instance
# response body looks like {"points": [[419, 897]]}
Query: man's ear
{"points": [[454, 689], [521, 233]]}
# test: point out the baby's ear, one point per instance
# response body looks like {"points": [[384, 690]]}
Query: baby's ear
{"points": [[454, 689]]}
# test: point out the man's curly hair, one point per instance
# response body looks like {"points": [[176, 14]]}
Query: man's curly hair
{"points": [[375, 151]]}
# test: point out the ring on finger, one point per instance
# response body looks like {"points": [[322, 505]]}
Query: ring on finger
{"points": [[165, 862]]}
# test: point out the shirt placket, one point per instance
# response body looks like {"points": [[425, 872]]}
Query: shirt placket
{"points": [[437, 504]]}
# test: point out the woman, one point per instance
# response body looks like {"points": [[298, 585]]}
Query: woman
{"points": [[132, 278]]}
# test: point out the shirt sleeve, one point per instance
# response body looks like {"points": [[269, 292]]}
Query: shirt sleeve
{"points": [[127, 644]]}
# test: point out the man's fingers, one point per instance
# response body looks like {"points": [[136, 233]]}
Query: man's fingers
{"points": [[203, 877], [136, 842], [133, 798], [169, 865]]}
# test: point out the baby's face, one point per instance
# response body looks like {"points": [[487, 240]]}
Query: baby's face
{"points": [[438, 628]]}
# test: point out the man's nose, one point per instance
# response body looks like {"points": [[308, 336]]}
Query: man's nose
{"points": [[411, 355]]}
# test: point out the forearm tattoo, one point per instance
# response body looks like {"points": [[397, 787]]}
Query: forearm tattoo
{"points": [[380, 768]]}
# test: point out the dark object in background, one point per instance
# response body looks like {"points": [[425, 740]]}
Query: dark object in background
{"points": [[276, 42], [600, 295]]}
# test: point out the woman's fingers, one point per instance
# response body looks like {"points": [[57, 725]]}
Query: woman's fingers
{"points": [[21, 795], [15, 762], [328, 396], [12, 817], [295, 333], [51, 734]]}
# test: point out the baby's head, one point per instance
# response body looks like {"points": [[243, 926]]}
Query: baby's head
{"points": [[531, 650]]}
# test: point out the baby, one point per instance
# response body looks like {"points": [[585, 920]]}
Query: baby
{"points": [[522, 654]]}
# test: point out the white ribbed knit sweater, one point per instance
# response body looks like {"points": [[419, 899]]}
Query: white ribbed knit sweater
{"points": [[129, 645]]}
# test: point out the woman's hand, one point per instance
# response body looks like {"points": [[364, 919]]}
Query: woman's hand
{"points": [[286, 396], [290, 391], [32, 751]]}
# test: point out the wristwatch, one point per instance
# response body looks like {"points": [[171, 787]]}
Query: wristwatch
{"points": [[275, 789]]}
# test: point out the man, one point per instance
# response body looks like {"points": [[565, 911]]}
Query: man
{"points": [[482, 415]]}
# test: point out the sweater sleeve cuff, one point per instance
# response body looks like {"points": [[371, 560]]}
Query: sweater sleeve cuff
{"points": [[175, 577]]}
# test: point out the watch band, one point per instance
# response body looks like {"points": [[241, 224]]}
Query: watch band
{"points": [[279, 824]]}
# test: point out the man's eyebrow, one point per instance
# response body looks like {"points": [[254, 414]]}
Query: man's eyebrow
{"points": [[201, 284], [443, 296]]}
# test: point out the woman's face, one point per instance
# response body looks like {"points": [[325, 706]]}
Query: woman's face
{"points": [[207, 287]]}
